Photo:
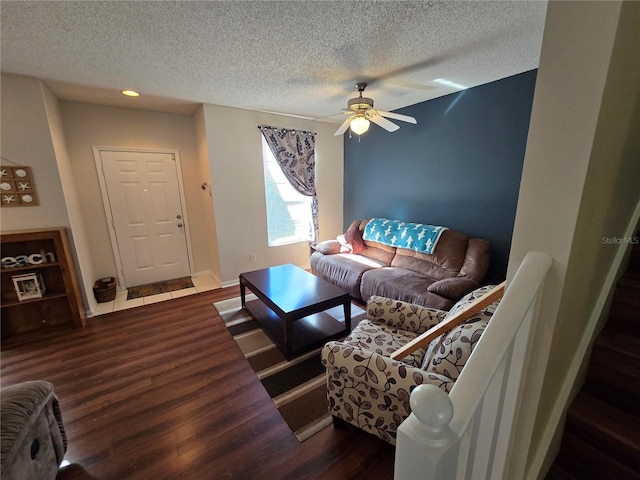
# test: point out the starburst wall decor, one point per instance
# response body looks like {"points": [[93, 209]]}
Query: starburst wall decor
{"points": [[17, 188]]}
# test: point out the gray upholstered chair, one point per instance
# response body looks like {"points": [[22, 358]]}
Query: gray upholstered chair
{"points": [[33, 440]]}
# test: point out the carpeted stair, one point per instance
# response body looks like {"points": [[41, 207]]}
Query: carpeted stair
{"points": [[602, 431]]}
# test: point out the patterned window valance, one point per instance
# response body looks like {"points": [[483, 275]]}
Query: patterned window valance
{"points": [[284, 131], [294, 150]]}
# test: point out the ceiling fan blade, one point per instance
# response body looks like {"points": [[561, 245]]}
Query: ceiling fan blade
{"points": [[397, 116], [383, 122], [343, 127]]}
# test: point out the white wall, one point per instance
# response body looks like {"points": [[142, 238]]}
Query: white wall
{"points": [[80, 247], [217, 145], [579, 181], [235, 156], [88, 125], [26, 140], [32, 135], [207, 195]]}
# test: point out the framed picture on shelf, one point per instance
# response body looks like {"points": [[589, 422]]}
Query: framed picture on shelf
{"points": [[28, 285]]}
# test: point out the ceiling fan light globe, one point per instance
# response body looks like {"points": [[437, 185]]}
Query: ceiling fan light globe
{"points": [[359, 125]]}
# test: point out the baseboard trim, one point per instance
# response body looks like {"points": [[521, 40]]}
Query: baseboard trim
{"points": [[207, 273], [234, 282], [230, 283]]}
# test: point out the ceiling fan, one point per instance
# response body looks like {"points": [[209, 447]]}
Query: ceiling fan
{"points": [[363, 113]]}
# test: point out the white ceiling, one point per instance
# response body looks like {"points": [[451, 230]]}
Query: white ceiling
{"points": [[299, 58]]}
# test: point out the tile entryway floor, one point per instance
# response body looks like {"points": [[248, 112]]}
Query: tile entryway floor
{"points": [[200, 284]]}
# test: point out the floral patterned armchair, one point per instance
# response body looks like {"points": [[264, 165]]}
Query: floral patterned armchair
{"points": [[369, 390]]}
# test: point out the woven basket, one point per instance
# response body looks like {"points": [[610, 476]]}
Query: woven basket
{"points": [[105, 289]]}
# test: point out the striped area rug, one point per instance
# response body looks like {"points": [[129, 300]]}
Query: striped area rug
{"points": [[297, 387]]}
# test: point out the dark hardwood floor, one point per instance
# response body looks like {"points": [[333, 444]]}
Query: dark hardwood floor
{"points": [[163, 392]]}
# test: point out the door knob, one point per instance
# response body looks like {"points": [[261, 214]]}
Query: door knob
{"points": [[179, 225], [178, 216]]}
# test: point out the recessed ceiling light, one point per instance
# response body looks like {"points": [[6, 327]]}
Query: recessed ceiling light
{"points": [[130, 93]]}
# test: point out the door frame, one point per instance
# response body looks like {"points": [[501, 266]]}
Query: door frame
{"points": [[97, 149]]}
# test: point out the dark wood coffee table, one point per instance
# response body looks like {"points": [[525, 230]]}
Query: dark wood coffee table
{"points": [[291, 306]]}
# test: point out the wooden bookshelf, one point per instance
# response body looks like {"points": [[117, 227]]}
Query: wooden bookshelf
{"points": [[44, 252]]}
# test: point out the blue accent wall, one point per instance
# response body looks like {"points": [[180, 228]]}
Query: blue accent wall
{"points": [[459, 167]]}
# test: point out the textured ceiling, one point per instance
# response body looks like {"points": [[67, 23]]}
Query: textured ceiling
{"points": [[299, 58]]}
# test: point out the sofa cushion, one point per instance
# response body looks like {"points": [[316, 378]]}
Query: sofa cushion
{"points": [[476, 261], [379, 252], [446, 261], [353, 237], [448, 354], [328, 247], [343, 270], [453, 288], [396, 283], [384, 340], [433, 300]]}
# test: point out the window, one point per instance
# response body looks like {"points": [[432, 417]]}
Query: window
{"points": [[288, 211]]}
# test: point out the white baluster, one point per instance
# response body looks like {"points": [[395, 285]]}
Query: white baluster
{"points": [[427, 448]]}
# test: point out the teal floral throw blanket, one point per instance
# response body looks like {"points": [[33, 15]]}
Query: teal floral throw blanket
{"points": [[412, 236]]}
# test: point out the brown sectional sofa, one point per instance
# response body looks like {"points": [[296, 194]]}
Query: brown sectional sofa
{"points": [[366, 268]]}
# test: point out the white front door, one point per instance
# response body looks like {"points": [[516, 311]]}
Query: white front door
{"points": [[146, 211]]}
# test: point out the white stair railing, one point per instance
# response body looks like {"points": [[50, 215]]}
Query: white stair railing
{"points": [[470, 433]]}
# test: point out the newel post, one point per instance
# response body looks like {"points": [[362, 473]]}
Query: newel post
{"points": [[426, 447]]}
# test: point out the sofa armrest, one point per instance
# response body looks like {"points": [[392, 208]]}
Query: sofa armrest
{"points": [[403, 315], [476, 260], [392, 377], [33, 436], [453, 288]]}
